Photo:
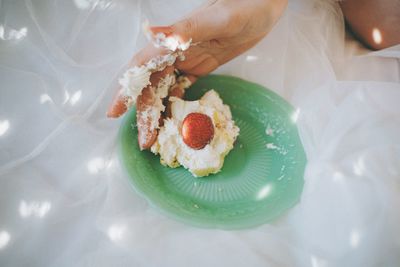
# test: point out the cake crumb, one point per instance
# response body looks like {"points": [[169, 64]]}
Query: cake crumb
{"points": [[271, 146], [269, 131]]}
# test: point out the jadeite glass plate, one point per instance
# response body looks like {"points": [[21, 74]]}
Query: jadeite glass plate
{"points": [[262, 176]]}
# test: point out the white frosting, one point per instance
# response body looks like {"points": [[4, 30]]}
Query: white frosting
{"points": [[136, 78], [170, 42], [133, 81], [151, 115], [164, 85], [182, 82], [161, 40], [161, 92], [174, 152]]}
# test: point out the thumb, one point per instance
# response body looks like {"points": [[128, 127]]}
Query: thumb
{"points": [[199, 27]]}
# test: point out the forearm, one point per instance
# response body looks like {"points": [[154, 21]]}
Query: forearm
{"points": [[375, 22]]}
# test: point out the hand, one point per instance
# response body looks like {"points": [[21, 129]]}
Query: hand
{"points": [[220, 30]]}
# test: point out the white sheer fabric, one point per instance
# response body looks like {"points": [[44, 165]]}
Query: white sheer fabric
{"points": [[65, 201]]}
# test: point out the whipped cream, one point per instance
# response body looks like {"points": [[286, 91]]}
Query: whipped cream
{"points": [[171, 43], [161, 92], [174, 152], [151, 115], [138, 77]]}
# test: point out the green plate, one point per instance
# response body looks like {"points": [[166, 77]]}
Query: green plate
{"points": [[262, 176]]}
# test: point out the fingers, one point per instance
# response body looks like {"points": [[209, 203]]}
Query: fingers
{"points": [[206, 23], [147, 112], [178, 90], [204, 67], [191, 59], [156, 76], [119, 103], [145, 117], [202, 59], [191, 78]]}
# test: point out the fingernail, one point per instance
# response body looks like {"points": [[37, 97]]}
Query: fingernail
{"points": [[110, 113], [164, 29], [115, 110]]}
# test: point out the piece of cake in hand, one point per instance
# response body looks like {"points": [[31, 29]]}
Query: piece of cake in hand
{"points": [[197, 135]]}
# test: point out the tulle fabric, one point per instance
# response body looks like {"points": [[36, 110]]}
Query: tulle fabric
{"points": [[65, 201]]}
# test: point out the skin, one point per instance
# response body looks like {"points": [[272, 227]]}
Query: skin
{"points": [[220, 30], [223, 29], [376, 23]]}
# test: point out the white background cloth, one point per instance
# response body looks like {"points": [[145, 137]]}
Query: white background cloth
{"points": [[65, 201]]}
